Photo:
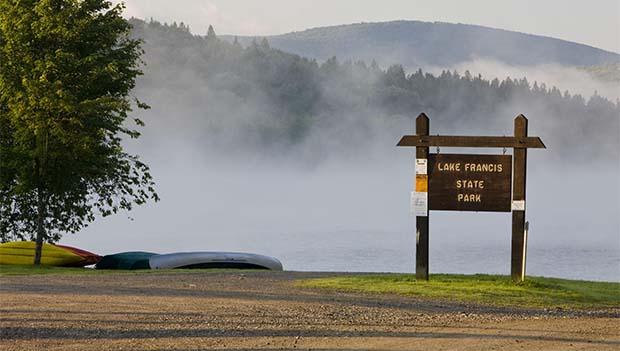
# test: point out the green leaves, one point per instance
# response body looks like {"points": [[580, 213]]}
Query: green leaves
{"points": [[66, 70]]}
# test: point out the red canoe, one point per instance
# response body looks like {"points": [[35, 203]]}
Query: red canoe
{"points": [[89, 257]]}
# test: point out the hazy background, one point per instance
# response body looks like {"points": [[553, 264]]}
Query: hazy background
{"points": [[339, 200], [575, 80], [593, 23]]}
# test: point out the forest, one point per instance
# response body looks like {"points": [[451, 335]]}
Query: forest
{"points": [[261, 99]]}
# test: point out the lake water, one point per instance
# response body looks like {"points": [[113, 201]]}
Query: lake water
{"points": [[395, 252], [361, 251], [357, 219]]}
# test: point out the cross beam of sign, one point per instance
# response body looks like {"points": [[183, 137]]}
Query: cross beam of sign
{"points": [[471, 141], [487, 186]]}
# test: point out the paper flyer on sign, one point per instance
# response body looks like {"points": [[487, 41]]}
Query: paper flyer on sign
{"points": [[420, 166], [421, 183], [419, 203]]}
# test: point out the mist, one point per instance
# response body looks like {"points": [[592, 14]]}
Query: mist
{"points": [[338, 198], [567, 78], [354, 217]]}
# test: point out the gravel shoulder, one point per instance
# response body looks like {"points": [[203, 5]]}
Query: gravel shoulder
{"points": [[265, 310]]}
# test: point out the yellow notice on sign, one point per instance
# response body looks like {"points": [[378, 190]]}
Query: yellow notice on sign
{"points": [[421, 183]]}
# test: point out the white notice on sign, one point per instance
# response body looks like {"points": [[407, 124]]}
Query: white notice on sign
{"points": [[419, 203], [420, 166], [518, 205]]}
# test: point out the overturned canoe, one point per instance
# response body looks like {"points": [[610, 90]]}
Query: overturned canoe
{"points": [[88, 257], [126, 260], [214, 260], [22, 253]]}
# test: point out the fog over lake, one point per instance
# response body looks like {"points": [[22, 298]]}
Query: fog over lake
{"points": [[355, 217], [328, 190]]}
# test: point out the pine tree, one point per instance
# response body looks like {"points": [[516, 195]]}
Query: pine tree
{"points": [[211, 33], [264, 44]]}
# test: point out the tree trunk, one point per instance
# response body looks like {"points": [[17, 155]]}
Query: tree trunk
{"points": [[40, 163], [40, 227]]}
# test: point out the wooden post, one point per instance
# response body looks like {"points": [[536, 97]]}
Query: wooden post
{"points": [[421, 222], [518, 200]]}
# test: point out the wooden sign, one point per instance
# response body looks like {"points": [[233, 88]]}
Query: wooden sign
{"points": [[470, 183], [460, 182]]}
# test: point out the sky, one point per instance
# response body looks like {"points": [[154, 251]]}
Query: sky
{"points": [[594, 22]]}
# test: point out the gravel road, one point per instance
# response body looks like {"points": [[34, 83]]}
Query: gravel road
{"points": [[264, 310]]}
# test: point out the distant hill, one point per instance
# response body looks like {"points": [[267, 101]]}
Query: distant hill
{"points": [[422, 44]]}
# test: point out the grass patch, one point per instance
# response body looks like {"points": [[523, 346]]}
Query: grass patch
{"points": [[483, 289]]}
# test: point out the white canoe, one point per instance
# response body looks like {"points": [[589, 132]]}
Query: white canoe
{"points": [[205, 259]]}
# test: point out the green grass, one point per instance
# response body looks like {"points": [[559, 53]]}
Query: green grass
{"points": [[482, 289]]}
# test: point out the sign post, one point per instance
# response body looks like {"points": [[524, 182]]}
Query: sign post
{"points": [[462, 182], [518, 200], [421, 184]]}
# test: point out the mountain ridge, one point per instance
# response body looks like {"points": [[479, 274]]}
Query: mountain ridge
{"points": [[439, 23], [423, 44]]}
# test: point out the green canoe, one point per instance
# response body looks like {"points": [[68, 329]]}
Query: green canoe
{"points": [[126, 260]]}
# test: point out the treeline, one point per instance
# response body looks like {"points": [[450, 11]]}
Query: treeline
{"points": [[272, 97]]}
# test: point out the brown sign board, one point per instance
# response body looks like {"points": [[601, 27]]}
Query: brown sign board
{"points": [[469, 182]]}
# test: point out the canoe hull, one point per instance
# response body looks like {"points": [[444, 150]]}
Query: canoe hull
{"points": [[22, 253], [126, 260], [214, 260], [89, 258]]}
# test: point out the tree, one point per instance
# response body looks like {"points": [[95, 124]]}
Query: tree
{"points": [[264, 44], [236, 43], [211, 33], [67, 68]]}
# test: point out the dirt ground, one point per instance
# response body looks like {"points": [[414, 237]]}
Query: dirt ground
{"points": [[263, 310]]}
